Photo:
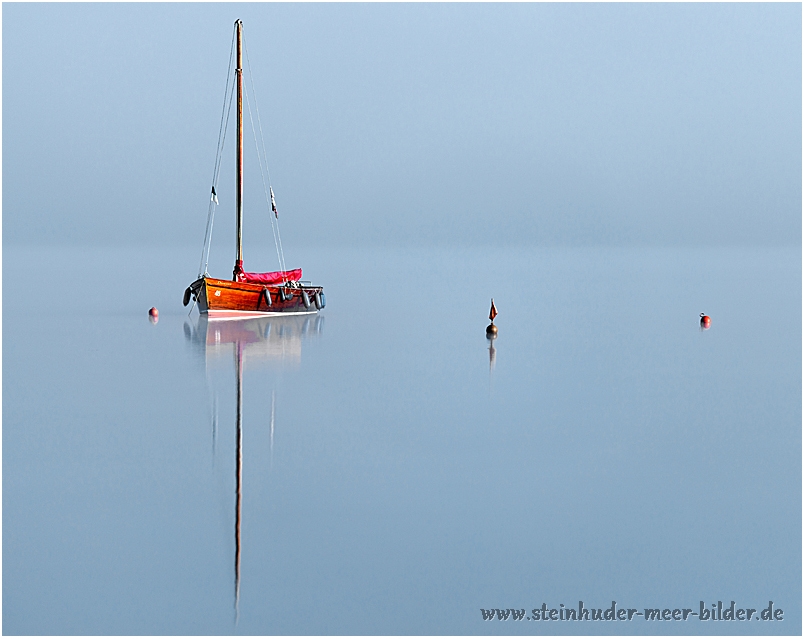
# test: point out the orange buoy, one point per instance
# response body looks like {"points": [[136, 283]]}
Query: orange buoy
{"points": [[706, 321], [153, 315]]}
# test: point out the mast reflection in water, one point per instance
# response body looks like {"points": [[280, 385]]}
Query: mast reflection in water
{"points": [[251, 341]]}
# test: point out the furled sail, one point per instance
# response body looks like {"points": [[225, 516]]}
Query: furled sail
{"points": [[274, 277]]}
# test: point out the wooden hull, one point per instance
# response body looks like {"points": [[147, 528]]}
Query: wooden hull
{"points": [[226, 299]]}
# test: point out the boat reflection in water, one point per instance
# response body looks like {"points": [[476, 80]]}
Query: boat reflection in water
{"points": [[255, 341]]}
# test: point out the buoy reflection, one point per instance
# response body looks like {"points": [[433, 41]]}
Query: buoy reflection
{"points": [[492, 353]]}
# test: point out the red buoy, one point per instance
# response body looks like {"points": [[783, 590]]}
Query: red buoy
{"points": [[153, 315], [706, 321]]}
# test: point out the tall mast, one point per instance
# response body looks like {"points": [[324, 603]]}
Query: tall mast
{"points": [[238, 268]]}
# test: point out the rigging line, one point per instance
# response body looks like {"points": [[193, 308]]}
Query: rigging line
{"points": [[213, 203], [202, 267], [221, 130], [281, 251], [274, 228], [262, 175], [225, 130], [278, 236], [257, 108], [218, 156]]}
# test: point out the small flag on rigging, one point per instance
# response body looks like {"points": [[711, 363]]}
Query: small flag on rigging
{"points": [[273, 203], [214, 197]]}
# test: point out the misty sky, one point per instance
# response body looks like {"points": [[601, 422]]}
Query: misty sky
{"points": [[415, 124]]}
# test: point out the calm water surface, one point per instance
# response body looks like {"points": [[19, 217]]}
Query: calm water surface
{"points": [[393, 479]]}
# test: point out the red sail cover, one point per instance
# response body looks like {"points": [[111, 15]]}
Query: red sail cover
{"points": [[276, 277]]}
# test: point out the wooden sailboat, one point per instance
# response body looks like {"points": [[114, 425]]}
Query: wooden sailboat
{"points": [[250, 294]]}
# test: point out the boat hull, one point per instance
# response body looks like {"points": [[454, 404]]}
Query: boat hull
{"points": [[227, 299]]}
